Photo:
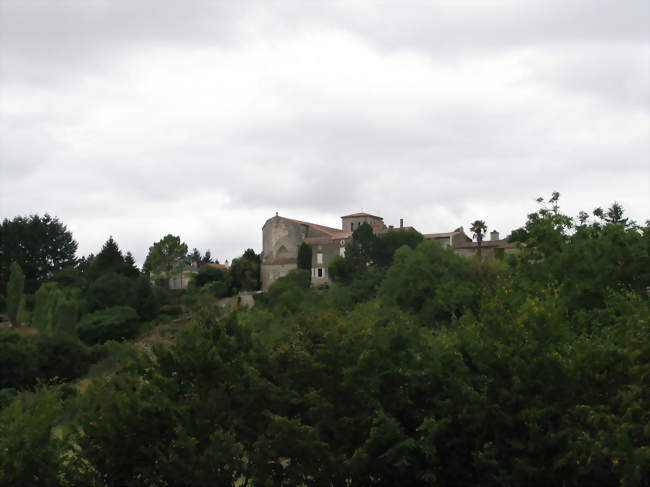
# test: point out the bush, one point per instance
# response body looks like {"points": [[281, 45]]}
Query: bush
{"points": [[117, 323]]}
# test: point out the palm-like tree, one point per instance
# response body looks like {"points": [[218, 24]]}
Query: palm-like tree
{"points": [[478, 229]]}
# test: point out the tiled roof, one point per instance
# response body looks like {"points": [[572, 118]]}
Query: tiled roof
{"points": [[353, 215], [315, 226], [216, 266]]}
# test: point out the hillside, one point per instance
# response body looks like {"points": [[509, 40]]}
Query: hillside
{"points": [[432, 369]]}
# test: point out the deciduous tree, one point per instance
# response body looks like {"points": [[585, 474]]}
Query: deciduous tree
{"points": [[167, 257], [41, 245], [15, 291]]}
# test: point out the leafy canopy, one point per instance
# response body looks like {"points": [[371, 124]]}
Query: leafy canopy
{"points": [[40, 245]]}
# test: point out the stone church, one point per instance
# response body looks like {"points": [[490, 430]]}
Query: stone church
{"points": [[282, 238]]}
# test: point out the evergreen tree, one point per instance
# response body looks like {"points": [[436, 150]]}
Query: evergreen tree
{"points": [[130, 267], [109, 259], [304, 256]]}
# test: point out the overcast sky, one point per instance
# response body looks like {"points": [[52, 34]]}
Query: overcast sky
{"points": [[202, 119]]}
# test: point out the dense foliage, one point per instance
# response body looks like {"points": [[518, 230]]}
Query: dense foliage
{"points": [[423, 368], [41, 245]]}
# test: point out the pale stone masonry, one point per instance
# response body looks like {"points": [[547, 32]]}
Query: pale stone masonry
{"points": [[282, 237]]}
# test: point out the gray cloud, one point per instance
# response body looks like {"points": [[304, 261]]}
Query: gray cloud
{"points": [[202, 119]]}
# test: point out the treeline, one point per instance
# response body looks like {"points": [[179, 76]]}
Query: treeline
{"points": [[63, 308], [416, 368]]}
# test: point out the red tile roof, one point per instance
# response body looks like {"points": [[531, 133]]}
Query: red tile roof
{"points": [[353, 215]]}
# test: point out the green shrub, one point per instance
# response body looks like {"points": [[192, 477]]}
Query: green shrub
{"points": [[116, 323]]}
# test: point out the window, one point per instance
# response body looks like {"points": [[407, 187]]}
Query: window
{"points": [[320, 272], [319, 258], [351, 226]]}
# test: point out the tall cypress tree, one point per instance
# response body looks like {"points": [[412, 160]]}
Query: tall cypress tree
{"points": [[304, 256]]}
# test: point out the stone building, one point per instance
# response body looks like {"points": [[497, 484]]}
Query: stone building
{"points": [[493, 248], [283, 236]]}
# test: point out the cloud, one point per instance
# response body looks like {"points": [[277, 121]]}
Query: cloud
{"points": [[138, 119]]}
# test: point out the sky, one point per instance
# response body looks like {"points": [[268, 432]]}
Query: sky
{"points": [[202, 119]]}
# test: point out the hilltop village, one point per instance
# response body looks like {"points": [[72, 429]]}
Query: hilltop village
{"points": [[283, 236]]}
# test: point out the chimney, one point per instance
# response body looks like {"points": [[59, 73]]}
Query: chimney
{"points": [[401, 222], [494, 235]]}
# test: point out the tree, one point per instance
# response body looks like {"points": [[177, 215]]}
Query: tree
{"points": [[41, 245], [195, 256], [615, 215], [388, 242], [110, 290], [208, 274], [546, 230], [478, 229], [166, 257], [111, 259], [46, 301], [207, 258], [304, 256], [31, 453], [15, 292], [130, 267], [245, 272], [362, 248]]}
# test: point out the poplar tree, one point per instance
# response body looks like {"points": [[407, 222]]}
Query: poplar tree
{"points": [[15, 290]]}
